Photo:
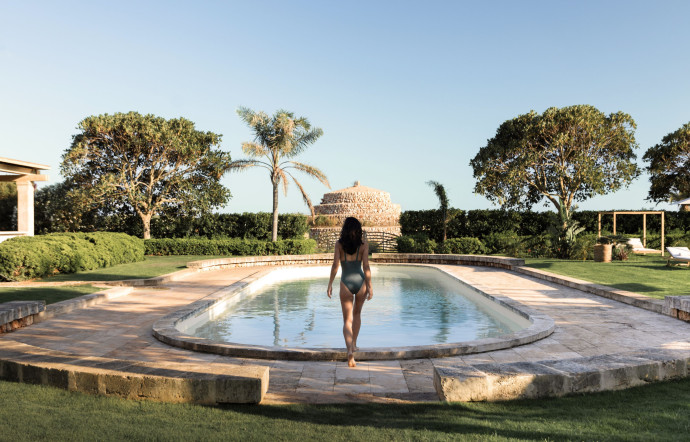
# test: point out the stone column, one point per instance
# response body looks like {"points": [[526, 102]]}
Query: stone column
{"points": [[25, 207]]}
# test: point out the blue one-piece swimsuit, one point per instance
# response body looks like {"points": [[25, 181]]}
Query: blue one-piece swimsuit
{"points": [[352, 274]]}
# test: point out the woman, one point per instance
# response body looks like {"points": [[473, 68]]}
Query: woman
{"points": [[355, 281]]}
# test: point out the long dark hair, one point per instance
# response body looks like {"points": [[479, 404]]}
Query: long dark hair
{"points": [[351, 235]]}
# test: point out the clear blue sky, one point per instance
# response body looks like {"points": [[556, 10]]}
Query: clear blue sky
{"points": [[404, 91]]}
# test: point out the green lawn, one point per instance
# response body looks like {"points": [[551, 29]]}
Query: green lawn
{"points": [[647, 275], [151, 267], [654, 412], [48, 294]]}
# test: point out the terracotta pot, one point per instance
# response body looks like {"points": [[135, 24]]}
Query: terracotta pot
{"points": [[603, 252]]}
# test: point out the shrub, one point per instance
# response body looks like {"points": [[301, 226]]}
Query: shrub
{"points": [[505, 243], [31, 257], [462, 246], [538, 246], [324, 221], [230, 247], [583, 247], [415, 244]]}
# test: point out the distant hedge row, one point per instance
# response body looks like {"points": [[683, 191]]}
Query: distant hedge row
{"points": [[230, 247], [212, 225], [30, 257], [482, 223], [522, 246]]}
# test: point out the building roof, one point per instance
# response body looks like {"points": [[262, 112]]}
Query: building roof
{"points": [[8, 165], [685, 201]]}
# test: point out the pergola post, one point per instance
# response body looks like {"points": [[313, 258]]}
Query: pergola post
{"points": [[644, 230], [662, 233], [599, 227], [614, 223]]}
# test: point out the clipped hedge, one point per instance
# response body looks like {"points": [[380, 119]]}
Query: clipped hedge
{"points": [[462, 246], [481, 223], [415, 244], [29, 257], [230, 247]]}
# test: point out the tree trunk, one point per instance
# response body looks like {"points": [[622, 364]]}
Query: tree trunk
{"points": [[146, 220], [445, 225], [274, 235]]}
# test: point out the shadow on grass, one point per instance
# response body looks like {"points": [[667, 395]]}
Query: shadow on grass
{"points": [[618, 415], [103, 276], [636, 287]]}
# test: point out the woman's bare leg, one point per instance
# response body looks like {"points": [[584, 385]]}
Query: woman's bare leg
{"points": [[346, 304], [357, 315]]}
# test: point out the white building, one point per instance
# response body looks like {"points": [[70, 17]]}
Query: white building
{"points": [[24, 174]]}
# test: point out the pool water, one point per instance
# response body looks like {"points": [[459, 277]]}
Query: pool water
{"points": [[411, 306]]}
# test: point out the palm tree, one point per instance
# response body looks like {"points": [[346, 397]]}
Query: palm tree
{"points": [[440, 192], [277, 139]]}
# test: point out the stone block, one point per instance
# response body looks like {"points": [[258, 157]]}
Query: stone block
{"points": [[524, 380], [673, 364], [85, 381], [582, 378], [10, 371], [461, 383]]}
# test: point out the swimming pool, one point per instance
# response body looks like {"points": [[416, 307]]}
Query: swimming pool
{"points": [[412, 306]]}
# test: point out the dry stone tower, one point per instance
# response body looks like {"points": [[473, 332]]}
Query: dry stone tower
{"points": [[372, 207]]}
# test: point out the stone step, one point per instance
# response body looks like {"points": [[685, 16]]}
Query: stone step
{"points": [[209, 384], [458, 381]]}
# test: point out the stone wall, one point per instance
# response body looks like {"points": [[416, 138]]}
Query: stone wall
{"points": [[326, 237]]}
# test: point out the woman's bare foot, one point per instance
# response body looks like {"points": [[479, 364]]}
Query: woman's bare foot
{"points": [[351, 360], [355, 348]]}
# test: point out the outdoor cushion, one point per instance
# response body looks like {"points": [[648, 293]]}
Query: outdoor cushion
{"points": [[679, 252], [636, 243]]}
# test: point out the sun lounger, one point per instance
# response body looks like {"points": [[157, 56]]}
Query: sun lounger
{"points": [[637, 247], [679, 254]]}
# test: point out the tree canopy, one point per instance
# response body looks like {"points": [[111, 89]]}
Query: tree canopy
{"points": [[277, 139], [562, 156], [146, 164], [669, 167]]}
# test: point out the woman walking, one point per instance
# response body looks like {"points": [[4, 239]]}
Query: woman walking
{"points": [[355, 281]]}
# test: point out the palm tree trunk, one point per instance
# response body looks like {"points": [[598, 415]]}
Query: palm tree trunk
{"points": [[274, 235]]}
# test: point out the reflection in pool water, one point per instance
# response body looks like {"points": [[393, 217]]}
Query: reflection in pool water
{"points": [[411, 306]]}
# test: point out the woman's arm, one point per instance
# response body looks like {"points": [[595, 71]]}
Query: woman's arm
{"points": [[367, 271], [334, 268]]}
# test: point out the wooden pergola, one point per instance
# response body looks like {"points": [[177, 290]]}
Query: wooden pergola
{"points": [[644, 214], [24, 174]]}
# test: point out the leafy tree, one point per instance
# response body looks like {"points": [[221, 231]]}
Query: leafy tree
{"points": [[56, 210], [562, 156], [146, 164], [440, 192], [8, 206], [277, 139], [669, 167]]}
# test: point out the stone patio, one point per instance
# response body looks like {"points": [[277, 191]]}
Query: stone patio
{"points": [[586, 325]]}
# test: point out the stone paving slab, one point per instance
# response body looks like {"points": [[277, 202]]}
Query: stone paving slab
{"points": [[590, 335]]}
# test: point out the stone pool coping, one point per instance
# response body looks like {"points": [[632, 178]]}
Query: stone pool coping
{"points": [[166, 329]]}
